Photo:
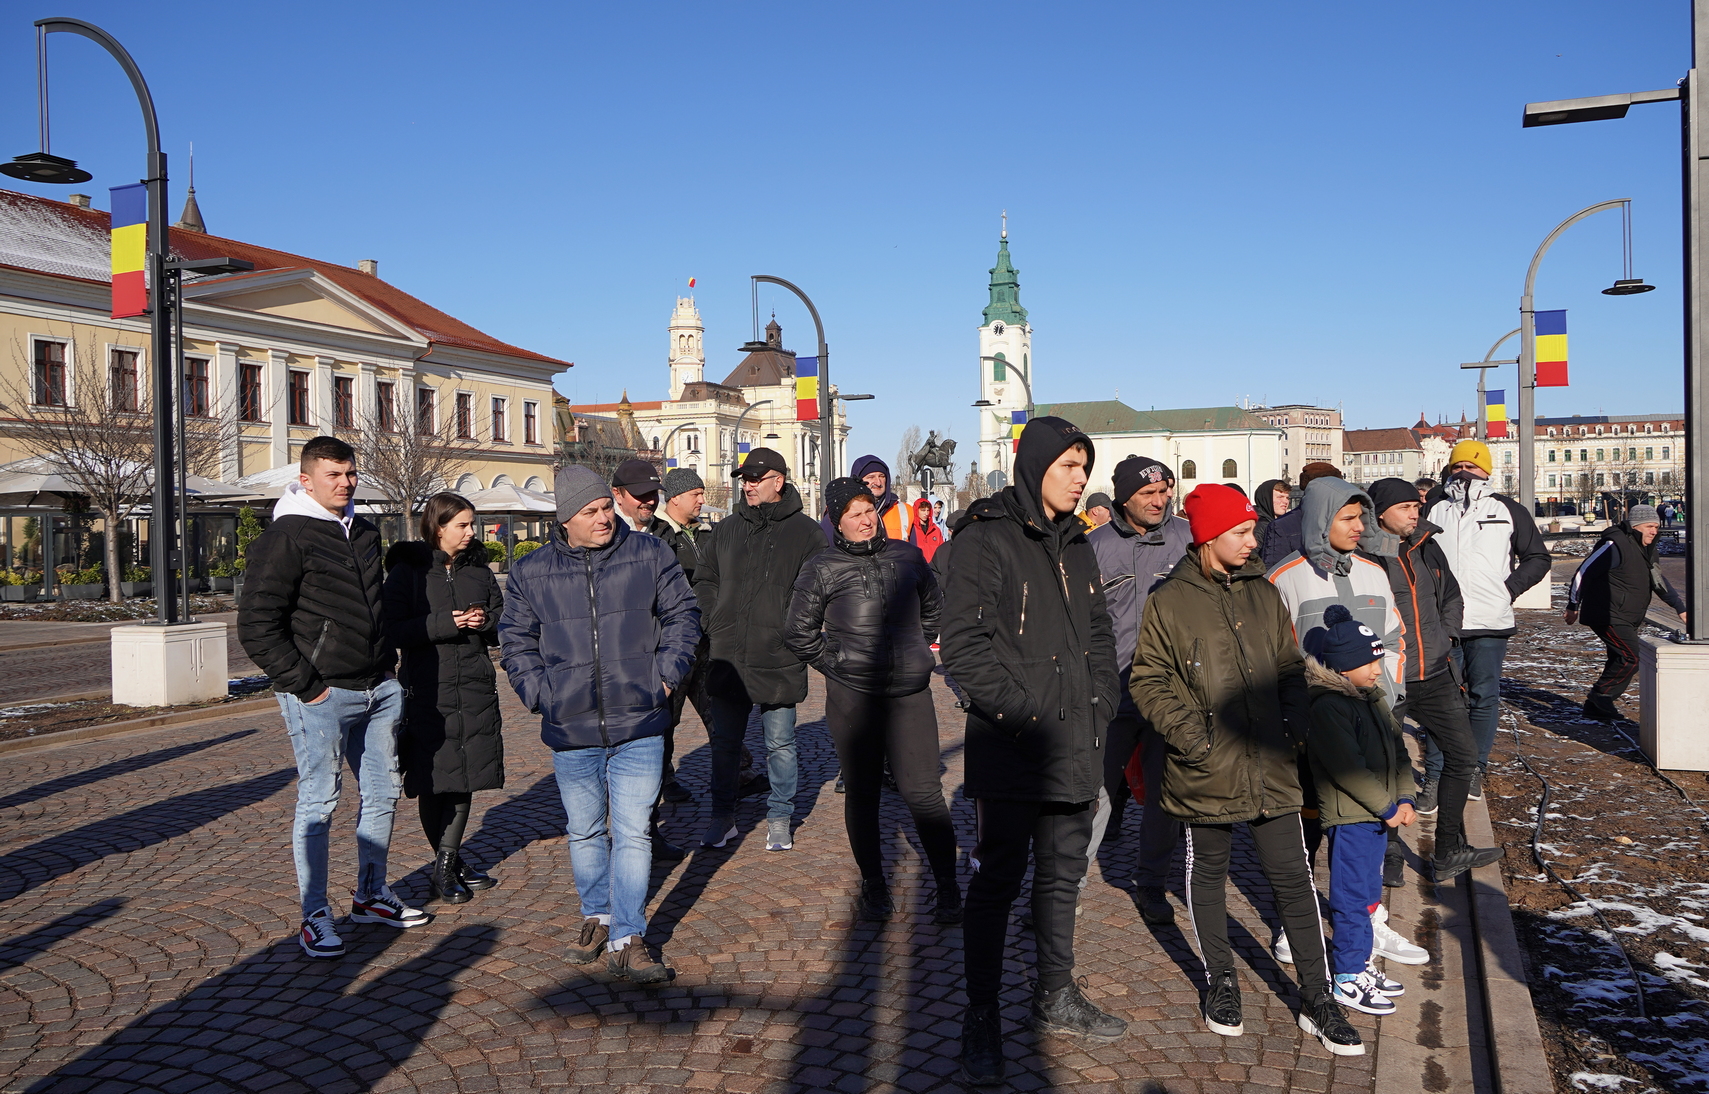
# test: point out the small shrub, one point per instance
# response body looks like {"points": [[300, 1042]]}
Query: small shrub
{"points": [[522, 548]]}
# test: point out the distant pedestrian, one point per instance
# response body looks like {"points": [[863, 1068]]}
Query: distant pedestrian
{"points": [[442, 607], [1218, 673], [1272, 500], [898, 518], [599, 627], [1283, 536], [1611, 593], [677, 522], [927, 536], [311, 620], [1027, 639], [635, 488], [1424, 485], [864, 613], [941, 557], [1097, 511], [747, 573]]}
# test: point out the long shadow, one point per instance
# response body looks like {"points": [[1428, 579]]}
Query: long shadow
{"points": [[144, 826], [1564, 716], [18, 951], [117, 767], [284, 1023], [535, 814]]}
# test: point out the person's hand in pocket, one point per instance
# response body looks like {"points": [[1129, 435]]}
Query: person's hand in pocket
{"points": [[321, 698]]}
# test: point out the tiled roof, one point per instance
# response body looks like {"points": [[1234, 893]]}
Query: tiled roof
{"points": [[54, 237], [1377, 440], [611, 408], [1115, 416]]}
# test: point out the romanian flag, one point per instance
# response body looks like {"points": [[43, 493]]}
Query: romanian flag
{"points": [[1017, 422], [1551, 348], [806, 389], [1495, 413], [130, 249], [691, 282]]}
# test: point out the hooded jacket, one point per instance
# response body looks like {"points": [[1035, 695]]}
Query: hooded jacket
{"points": [[1483, 533], [1358, 758], [1428, 599], [682, 539], [898, 519], [1218, 674], [451, 739], [592, 635], [1613, 584], [1131, 565], [310, 616], [1265, 502], [1283, 537], [748, 566], [1318, 575], [1027, 638], [927, 536], [865, 614]]}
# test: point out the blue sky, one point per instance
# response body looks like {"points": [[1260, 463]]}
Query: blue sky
{"points": [[1310, 202]]}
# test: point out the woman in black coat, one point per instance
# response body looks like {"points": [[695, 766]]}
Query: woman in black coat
{"points": [[864, 612], [442, 608]]}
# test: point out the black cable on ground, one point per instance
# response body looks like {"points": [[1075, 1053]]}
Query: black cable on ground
{"points": [[1543, 864]]}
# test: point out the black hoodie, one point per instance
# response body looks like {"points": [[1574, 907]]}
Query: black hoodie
{"points": [[1028, 638], [1264, 500]]}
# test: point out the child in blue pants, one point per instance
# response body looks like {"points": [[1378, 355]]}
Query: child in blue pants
{"points": [[1364, 788]]}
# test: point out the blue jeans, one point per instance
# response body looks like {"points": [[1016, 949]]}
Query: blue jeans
{"points": [[1478, 661], [611, 864], [359, 728], [1355, 889], [729, 726]]}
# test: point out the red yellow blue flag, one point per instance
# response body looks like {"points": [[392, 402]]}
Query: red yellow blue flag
{"points": [[1017, 422], [806, 389], [130, 249], [1551, 348], [1495, 413]]}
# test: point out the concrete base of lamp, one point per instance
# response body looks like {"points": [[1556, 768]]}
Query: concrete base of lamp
{"points": [[1537, 597], [156, 666], [1673, 694]]}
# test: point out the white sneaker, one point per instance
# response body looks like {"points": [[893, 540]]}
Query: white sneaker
{"points": [[1391, 945], [1381, 984], [317, 937], [386, 908], [1361, 994], [720, 829], [777, 837], [1281, 951]]}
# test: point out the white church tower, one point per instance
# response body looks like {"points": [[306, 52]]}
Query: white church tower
{"points": [[1005, 364], [687, 353]]}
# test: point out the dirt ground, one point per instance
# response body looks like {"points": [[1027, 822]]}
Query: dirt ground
{"points": [[41, 719], [102, 611]]}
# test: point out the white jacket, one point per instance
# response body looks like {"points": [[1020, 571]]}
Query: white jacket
{"points": [[1495, 551]]}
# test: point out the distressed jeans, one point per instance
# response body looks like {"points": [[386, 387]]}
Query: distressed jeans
{"points": [[359, 728], [611, 861]]}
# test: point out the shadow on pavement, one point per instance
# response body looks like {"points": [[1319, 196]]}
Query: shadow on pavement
{"points": [[117, 767], [144, 826], [18, 951]]}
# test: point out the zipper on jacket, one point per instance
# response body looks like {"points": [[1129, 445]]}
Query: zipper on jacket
{"points": [[1023, 629], [598, 673], [451, 588], [321, 641]]}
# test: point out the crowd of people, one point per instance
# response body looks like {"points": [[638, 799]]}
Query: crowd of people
{"points": [[1239, 662]]}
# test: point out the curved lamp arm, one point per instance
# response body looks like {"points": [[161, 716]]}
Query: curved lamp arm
{"points": [[1537, 259], [111, 45]]}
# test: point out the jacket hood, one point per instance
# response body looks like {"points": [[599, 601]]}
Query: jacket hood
{"points": [[1043, 440], [1323, 499], [295, 502], [1264, 499], [866, 465], [1463, 492], [787, 505], [1321, 676]]}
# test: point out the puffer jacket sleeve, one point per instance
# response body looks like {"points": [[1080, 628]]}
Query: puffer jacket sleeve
{"points": [[1529, 548], [679, 620], [1450, 600], [271, 577], [399, 621], [804, 627], [706, 575], [495, 611], [969, 653], [931, 600], [519, 641], [1159, 690], [1335, 747]]}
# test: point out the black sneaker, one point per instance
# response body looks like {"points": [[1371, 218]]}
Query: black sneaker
{"points": [[1394, 867], [875, 903], [1222, 1005], [838, 789], [674, 791], [1475, 791], [1067, 1010], [664, 850], [1154, 906], [1460, 859], [1324, 1019], [947, 911], [1426, 803], [982, 1045]]}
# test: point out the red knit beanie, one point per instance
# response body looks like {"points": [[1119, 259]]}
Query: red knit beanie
{"points": [[1213, 509]]}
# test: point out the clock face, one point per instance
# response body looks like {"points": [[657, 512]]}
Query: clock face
{"points": [[997, 328]]}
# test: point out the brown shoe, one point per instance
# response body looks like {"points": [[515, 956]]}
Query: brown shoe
{"points": [[636, 965], [590, 943]]}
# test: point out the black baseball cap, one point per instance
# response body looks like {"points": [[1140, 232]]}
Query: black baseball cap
{"points": [[759, 462], [636, 476]]}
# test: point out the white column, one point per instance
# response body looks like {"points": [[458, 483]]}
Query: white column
{"points": [[320, 390], [367, 401], [227, 397], [276, 401]]}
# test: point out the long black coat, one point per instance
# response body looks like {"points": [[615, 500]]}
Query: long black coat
{"points": [[865, 614], [451, 738]]}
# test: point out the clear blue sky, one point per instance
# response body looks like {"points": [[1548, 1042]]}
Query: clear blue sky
{"points": [[1327, 202]]}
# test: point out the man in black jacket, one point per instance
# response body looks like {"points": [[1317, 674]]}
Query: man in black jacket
{"points": [[1028, 639], [311, 619], [677, 522], [744, 581], [1285, 534], [1610, 594]]}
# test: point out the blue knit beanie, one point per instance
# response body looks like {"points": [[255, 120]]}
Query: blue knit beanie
{"points": [[1342, 642]]}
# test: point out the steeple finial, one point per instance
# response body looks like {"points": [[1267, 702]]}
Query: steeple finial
{"points": [[1005, 234], [191, 219]]}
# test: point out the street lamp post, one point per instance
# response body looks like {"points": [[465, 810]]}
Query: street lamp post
{"points": [[1483, 368], [736, 434], [827, 405]]}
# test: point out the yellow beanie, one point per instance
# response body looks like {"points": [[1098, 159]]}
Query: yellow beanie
{"points": [[1471, 451]]}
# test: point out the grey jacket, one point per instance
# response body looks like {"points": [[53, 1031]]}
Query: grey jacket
{"points": [[1131, 566]]}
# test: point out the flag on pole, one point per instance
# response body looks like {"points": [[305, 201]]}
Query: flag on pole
{"points": [[806, 389], [1017, 422], [1551, 348], [1495, 413], [691, 282], [130, 249]]}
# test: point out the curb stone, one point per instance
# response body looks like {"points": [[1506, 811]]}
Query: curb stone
{"points": [[139, 725]]}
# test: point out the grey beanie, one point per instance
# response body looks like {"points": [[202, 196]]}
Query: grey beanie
{"points": [[1642, 514], [680, 480], [575, 486]]}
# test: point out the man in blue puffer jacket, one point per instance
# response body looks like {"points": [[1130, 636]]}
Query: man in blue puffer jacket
{"points": [[598, 629]]}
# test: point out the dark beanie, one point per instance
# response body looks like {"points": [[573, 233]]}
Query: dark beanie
{"points": [[1136, 473], [1342, 642], [1317, 470], [839, 493], [1387, 492]]}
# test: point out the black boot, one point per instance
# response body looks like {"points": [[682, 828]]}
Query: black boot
{"points": [[447, 886], [875, 905], [1394, 866], [663, 849], [947, 911], [472, 877], [1066, 1010], [982, 1045]]}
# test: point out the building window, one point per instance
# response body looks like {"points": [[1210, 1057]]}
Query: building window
{"points": [[1551, 455], [1551, 431], [121, 379], [1665, 451], [249, 392], [1599, 456], [1649, 453], [465, 415], [50, 374], [530, 423], [1649, 478], [1230, 469], [1631, 478], [1600, 479], [1000, 368], [1667, 478], [424, 410], [196, 387], [1551, 482], [344, 402], [499, 433], [1568, 456], [1507, 457], [691, 441], [1631, 453], [1189, 469], [386, 407], [1584, 455], [297, 401]]}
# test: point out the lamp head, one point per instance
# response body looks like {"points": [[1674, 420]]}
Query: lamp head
{"points": [[1628, 287], [45, 167]]}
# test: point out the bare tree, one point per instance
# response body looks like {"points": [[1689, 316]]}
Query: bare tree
{"points": [[408, 458], [972, 489], [902, 472]]}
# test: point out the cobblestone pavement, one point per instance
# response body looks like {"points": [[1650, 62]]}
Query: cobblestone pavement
{"points": [[27, 675], [147, 908]]}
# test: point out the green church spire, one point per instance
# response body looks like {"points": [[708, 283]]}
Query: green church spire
{"points": [[1005, 306]]}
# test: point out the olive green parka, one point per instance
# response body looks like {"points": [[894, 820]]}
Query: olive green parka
{"points": [[1218, 673]]}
